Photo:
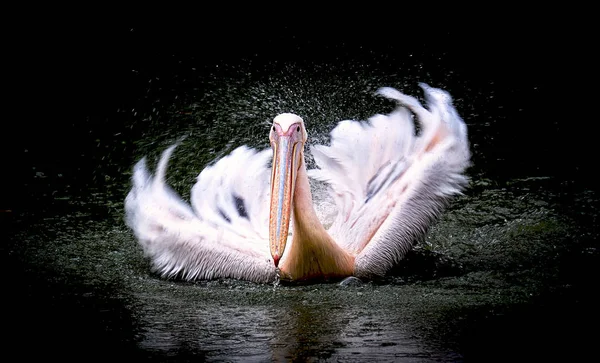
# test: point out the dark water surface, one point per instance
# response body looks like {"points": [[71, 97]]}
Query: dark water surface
{"points": [[508, 273]]}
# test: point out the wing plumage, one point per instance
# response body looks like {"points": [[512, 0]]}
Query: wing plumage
{"points": [[388, 183], [224, 235], [234, 193]]}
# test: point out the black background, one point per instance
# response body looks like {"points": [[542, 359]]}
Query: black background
{"points": [[68, 74]]}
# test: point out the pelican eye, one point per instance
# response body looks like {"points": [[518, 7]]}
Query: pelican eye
{"points": [[274, 128], [298, 129]]}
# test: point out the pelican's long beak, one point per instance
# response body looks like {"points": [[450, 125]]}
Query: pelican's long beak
{"points": [[286, 158]]}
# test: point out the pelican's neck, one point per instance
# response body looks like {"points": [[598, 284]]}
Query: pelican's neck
{"points": [[313, 253]]}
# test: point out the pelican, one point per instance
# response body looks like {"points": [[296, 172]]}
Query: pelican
{"points": [[253, 221]]}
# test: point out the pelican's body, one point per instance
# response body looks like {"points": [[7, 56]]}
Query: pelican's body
{"points": [[388, 184]]}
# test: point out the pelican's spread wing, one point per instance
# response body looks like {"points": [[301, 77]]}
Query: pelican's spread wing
{"points": [[223, 234], [389, 184]]}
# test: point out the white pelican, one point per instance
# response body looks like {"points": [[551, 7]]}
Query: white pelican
{"points": [[388, 183]]}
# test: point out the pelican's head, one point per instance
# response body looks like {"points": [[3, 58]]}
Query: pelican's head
{"points": [[288, 136]]}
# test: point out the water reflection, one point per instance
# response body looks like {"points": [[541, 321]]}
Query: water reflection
{"points": [[263, 323]]}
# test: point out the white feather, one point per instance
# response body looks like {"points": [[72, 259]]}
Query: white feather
{"points": [[388, 183], [204, 245]]}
